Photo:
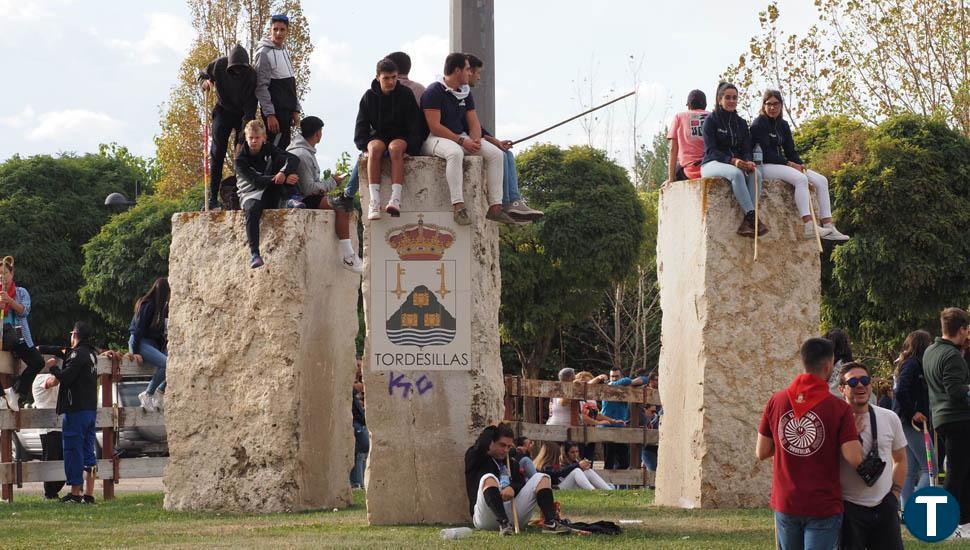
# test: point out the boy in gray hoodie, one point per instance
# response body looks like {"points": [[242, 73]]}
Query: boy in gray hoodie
{"points": [[315, 191], [276, 84]]}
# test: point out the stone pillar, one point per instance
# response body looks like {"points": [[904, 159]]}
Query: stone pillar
{"points": [[731, 333], [260, 366], [426, 405], [473, 31]]}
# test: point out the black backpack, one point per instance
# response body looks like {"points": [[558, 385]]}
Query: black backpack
{"points": [[228, 194]]}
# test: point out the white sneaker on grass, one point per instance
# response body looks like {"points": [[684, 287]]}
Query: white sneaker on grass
{"points": [[374, 210]]}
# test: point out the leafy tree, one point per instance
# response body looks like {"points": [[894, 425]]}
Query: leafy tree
{"points": [[126, 256], [220, 26], [651, 164], [907, 205], [51, 206], [869, 60], [554, 271]]}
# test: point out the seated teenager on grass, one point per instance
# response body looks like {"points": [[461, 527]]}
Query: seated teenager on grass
{"points": [[687, 139], [727, 154], [314, 192], [781, 161], [388, 124], [449, 109], [491, 487], [265, 175], [566, 469]]}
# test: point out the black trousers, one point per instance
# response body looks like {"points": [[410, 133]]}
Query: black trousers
{"points": [[285, 119], [876, 528], [617, 456], [223, 124], [35, 363], [254, 211], [957, 482], [52, 449]]}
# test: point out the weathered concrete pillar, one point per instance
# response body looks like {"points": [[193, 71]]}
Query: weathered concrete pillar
{"points": [[432, 371], [731, 333], [260, 367]]}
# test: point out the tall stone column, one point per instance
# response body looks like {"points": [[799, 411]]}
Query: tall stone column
{"points": [[432, 371], [731, 333], [260, 365]]}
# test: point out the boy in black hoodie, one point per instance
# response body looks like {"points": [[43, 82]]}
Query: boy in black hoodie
{"points": [[77, 400], [388, 122], [265, 175], [491, 486], [235, 83]]}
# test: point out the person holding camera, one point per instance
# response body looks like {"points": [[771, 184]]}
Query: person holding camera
{"points": [[871, 491], [14, 310]]}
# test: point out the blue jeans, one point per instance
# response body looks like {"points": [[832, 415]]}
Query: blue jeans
{"points": [[807, 533], [77, 439], [917, 471], [148, 349], [528, 467], [353, 184], [742, 184], [361, 448], [510, 180]]}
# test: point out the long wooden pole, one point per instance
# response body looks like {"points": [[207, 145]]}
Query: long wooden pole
{"points": [[515, 513], [811, 208], [570, 119], [757, 199]]}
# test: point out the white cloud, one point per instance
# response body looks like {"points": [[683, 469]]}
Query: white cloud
{"points": [[427, 54], [330, 62], [75, 125], [20, 120], [166, 33], [20, 10]]}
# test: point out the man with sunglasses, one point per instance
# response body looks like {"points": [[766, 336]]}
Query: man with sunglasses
{"points": [[276, 84], [871, 491], [948, 380], [806, 429]]}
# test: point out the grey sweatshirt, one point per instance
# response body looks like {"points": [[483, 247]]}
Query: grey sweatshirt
{"points": [[309, 170], [275, 79]]}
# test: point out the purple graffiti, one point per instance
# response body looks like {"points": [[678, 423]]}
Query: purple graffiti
{"points": [[422, 385]]}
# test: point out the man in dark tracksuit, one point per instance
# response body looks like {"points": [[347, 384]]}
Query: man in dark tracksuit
{"points": [[276, 84], [235, 82], [77, 401], [948, 380]]}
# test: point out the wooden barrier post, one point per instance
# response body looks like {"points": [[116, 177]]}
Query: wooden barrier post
{"points": [[6, 444], [108, 434]]}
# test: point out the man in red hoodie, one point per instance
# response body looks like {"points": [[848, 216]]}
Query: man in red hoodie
{"points": [[806, 428]]}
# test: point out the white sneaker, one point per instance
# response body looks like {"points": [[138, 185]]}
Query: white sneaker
{"points": [[147, 401], [809, 232], [158, 399], [961, 532], [353, 263], [374, 210], [393, 207], [834, 234], [13, 398]]}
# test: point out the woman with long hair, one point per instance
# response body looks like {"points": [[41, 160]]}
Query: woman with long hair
{"points": [[911, 402], [565, 468], [148, 339], [781, 161], [727, 154]]}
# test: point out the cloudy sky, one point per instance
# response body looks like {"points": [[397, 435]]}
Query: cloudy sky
{"points": [[80, 73]]}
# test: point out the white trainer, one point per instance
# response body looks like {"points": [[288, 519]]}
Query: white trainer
{"points": [[353, 263], [393, 207], [13, 398], [146, 401], [809, 232], [158, 399], [374, 210], [834, 234]]}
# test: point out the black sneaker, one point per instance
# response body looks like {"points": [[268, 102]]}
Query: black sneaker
{"points": [[342, 202], [505, 528], [555, 528], [88, 499], [72, 499]]}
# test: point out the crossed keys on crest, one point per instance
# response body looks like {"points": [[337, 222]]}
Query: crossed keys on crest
{"points": [[440, 271]]}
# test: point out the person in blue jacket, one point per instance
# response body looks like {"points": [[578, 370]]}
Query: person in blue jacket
{"points": [[781, 161], [911, 402], [148, 339], [727, 154]]}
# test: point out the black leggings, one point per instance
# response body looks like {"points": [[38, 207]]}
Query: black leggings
{"points": [[254, 211], [35, 363], [957, 435]]}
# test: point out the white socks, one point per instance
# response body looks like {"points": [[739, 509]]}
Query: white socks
{"points": [[375, 191], [347, 248], [396, 191]]}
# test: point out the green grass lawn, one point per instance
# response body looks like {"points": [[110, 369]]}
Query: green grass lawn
{"points": [[139, 520]]}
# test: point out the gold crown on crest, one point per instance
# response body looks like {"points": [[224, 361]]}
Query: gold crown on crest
{"points": [[420, 241]]}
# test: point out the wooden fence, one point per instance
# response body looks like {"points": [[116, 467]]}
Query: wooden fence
{"points": [[110, 417], [521, 394]]}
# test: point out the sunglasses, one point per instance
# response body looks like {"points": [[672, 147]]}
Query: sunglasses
{"points": [[772, 104], [853, 382]]}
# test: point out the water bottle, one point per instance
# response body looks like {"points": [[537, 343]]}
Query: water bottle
{"points": [[504, 481], [456, 533], [757, 155]]}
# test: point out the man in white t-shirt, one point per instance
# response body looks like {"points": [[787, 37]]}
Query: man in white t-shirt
{"points": [[871, 517]]}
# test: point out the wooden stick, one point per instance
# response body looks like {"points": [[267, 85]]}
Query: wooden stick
{"points": [[811, 208], [205, 150], [515, 514], [570, 119], [757, 199]]}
